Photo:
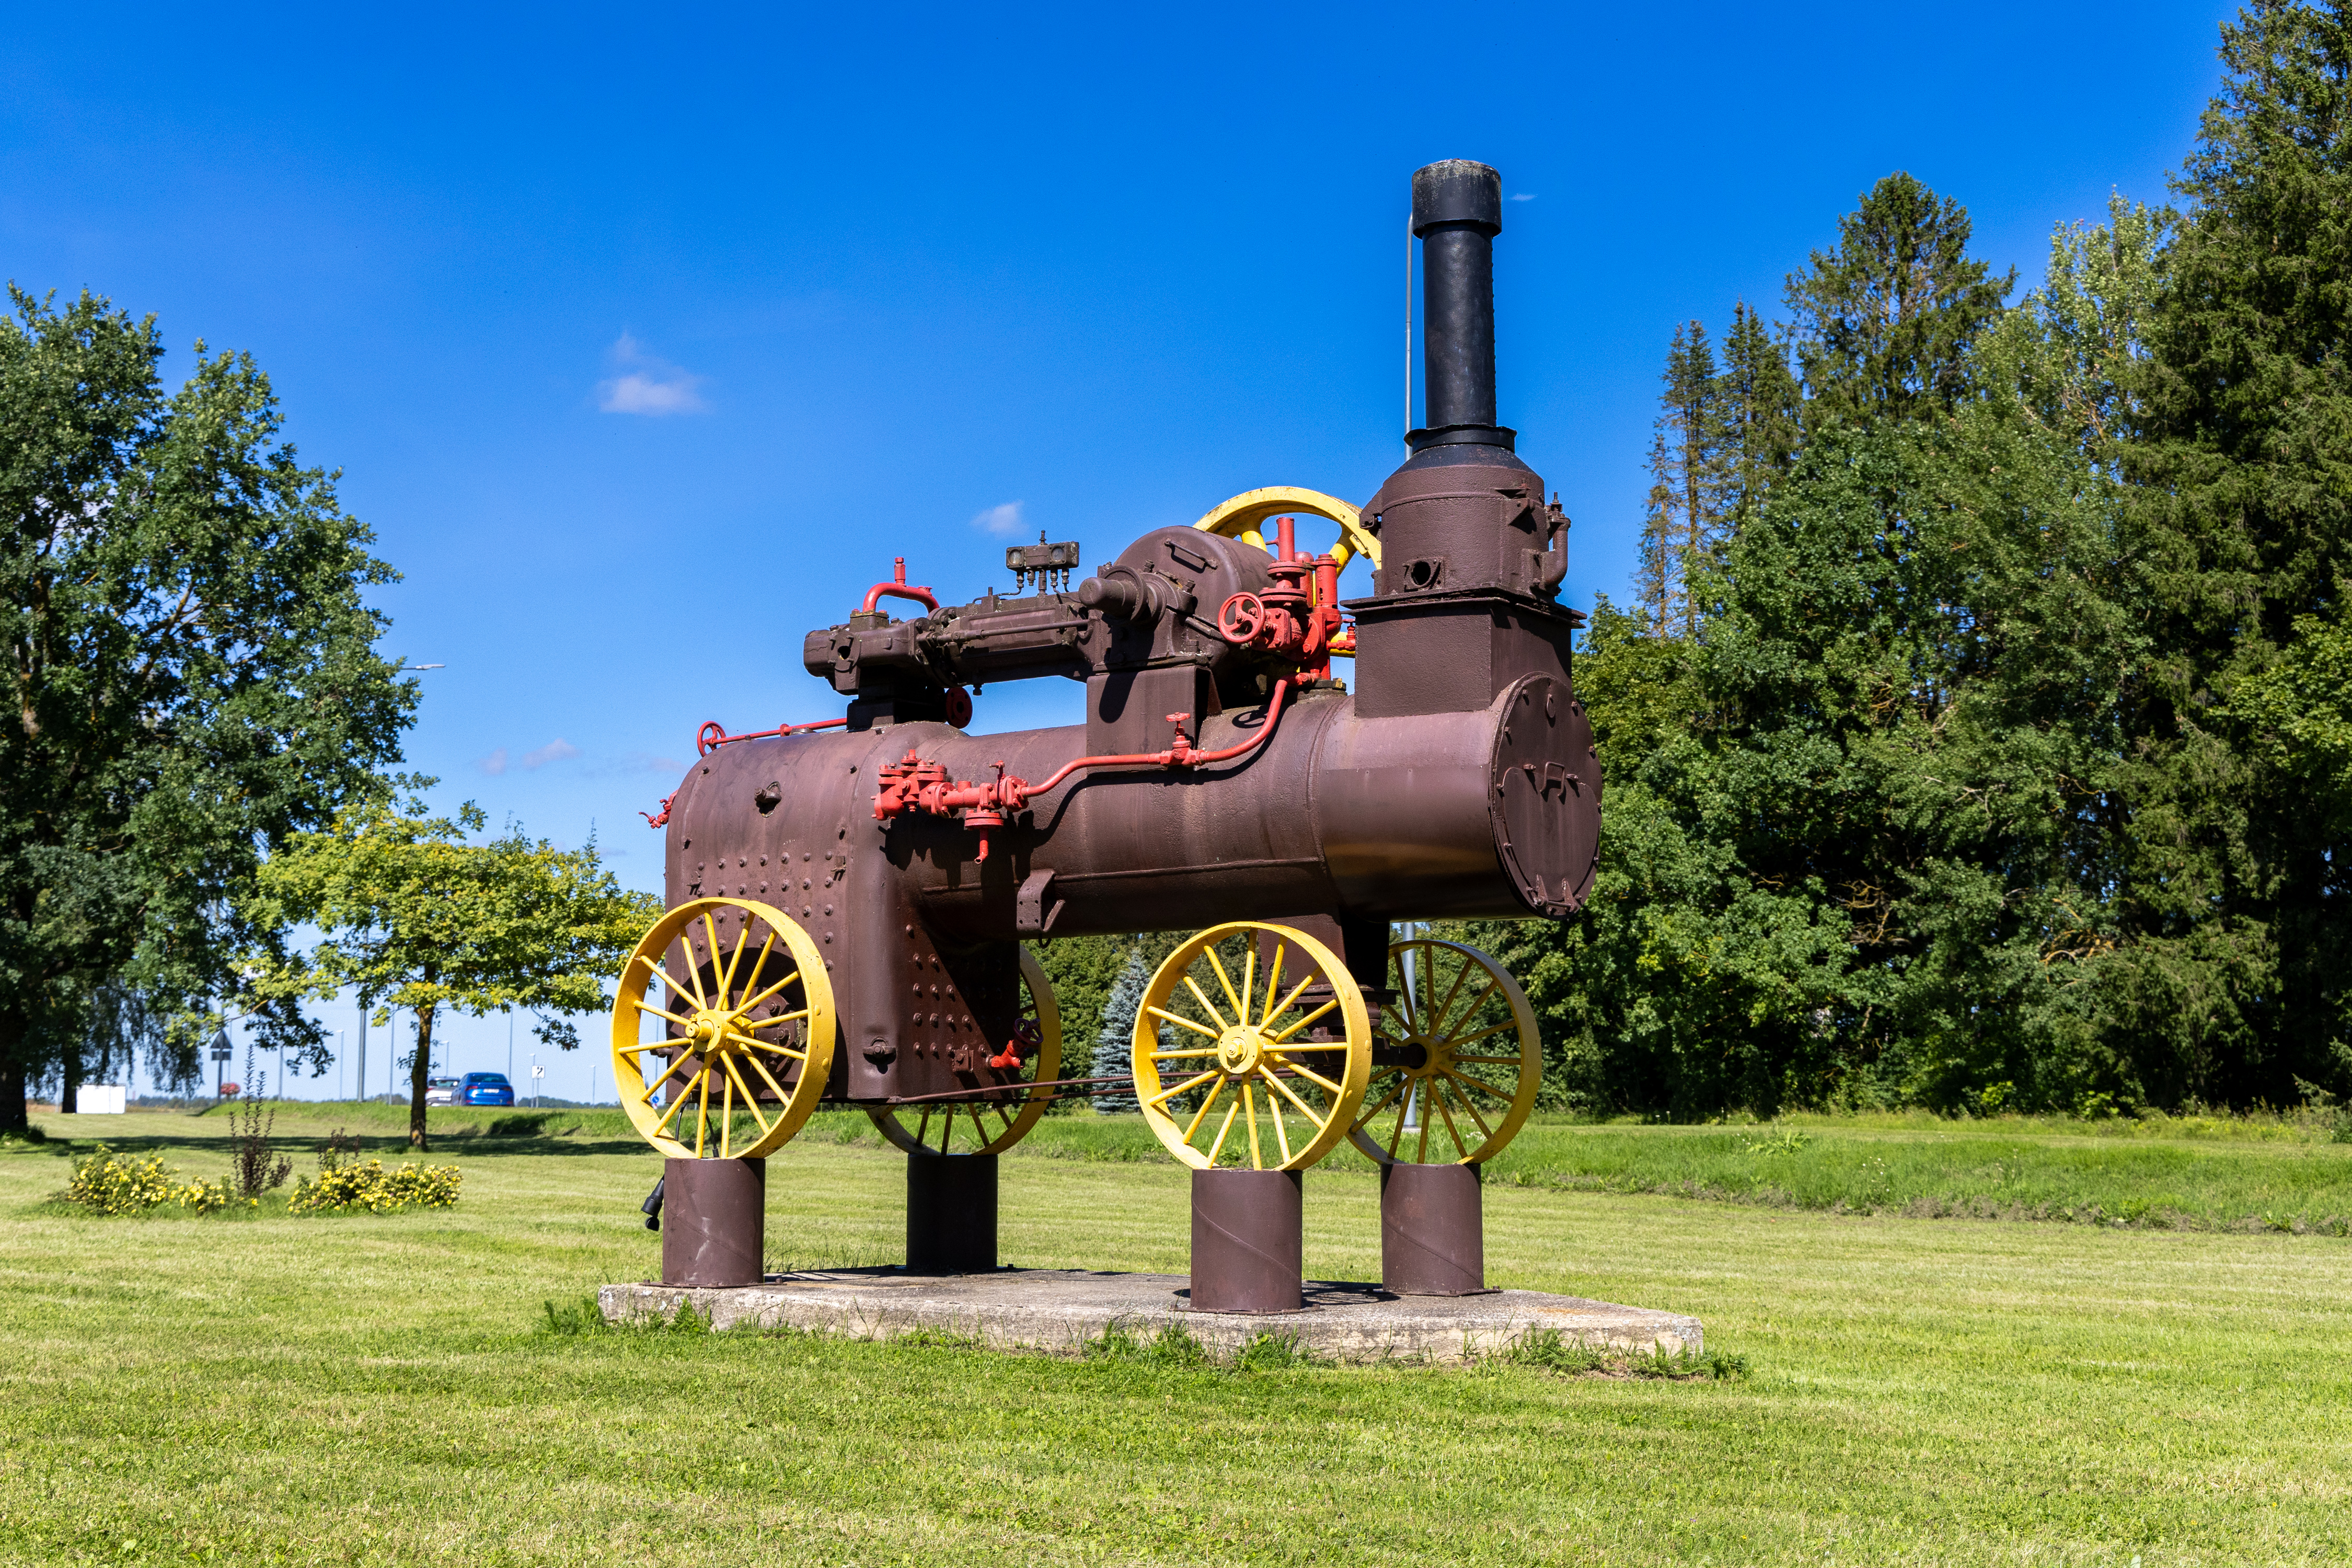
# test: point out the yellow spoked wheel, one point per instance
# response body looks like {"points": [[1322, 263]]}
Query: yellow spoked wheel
{"points": [[726, 1012], [1456, 1065], [1262, 1066], [1243, 517], [999, 1121]]}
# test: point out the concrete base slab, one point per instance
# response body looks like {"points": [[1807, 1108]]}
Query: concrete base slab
{"points": [[1058, 1310]]}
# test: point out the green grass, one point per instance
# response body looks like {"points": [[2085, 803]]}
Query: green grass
{"points": [[400, 1390]]}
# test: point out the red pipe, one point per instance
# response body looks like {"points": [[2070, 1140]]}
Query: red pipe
{"points": [[1180, 755], [898, 588]]}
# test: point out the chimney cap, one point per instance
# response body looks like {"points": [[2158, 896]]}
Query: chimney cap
{"points": [[1457, 191]]}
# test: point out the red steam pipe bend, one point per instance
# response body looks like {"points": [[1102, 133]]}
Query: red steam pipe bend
{"points": [[899, 588], [1171, 757]]}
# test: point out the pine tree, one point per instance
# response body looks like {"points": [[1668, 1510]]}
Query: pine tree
{"points": [[1654, 579], [1884, 320], [1761, 416], [2236, 899], [1114, 1046]]}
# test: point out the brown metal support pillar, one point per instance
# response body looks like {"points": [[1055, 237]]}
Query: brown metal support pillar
{"points": [[950, 1213], [714, 1221], [1432, 1230], [1248, 1250]]}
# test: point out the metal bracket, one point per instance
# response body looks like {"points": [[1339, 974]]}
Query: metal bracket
{"points": [[1031, 917]]}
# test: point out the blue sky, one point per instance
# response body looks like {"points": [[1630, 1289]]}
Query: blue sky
{"points": [[646, 338]]}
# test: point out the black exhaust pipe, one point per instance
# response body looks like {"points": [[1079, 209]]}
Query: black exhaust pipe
{"points": [[1457, 211]]}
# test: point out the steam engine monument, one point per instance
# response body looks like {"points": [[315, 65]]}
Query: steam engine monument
{"points": [[1280, 772]]}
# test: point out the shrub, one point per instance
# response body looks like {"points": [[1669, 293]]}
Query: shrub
{"points": [[343, 1188], [116, 1184]]}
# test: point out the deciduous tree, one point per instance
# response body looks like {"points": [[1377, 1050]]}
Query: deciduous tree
{"points": [[192, 679]]}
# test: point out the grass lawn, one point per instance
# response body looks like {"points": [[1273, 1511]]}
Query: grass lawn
{"points": [[256, 1388]]}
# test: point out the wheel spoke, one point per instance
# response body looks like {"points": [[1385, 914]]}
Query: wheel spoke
{"points": [[1273, 984], [1386, 1101], [1166, 1056], [1473, 1083], [1279, 1008], [1471, 1106], [1474, 1039], [726, 1110], [1274, 1109], [1472, 1011], [666, 1013], [1420, 1156], [1306, 1072], [767, 1046], [1438, 1094], [1249, 1100], [1307, 1020], [1408, 976], [783, 1099], [735, 959], [771, 990], [1317, 1122], [677, 1062], [1402, 1112], [1168, 1094], [1226, 980], [1249, 982], [1206, 1005], [1162, 1013], [710, 928], [1207, 1100], [1437, 1013], [702, 1117], [1223, 1128]]}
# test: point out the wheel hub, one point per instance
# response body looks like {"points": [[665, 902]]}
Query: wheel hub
{"points": [[1239, 1049]]}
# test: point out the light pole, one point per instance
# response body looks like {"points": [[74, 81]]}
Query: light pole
{"points": [[511, 1044], [359, 1077]]}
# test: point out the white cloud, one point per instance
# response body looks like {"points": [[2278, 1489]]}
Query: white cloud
{"points": [[1003, 521], [1524, 196], [494, 764], [654, 387], [555, 751]]}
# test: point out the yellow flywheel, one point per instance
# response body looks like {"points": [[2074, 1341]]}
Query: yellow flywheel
{"points": [[1456, 1063], [1253, 1048], [1243, 517], [992, 1124], [726, 1013]]}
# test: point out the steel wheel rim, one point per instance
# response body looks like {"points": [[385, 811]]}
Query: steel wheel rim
{"points": [[938, 1129], [1242, 1056], [1481, 1059], [761, 1012]]}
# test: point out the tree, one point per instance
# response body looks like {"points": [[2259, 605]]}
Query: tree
{"points": [[1859, 832], [1883, 319], [2235, 897], [193, 680], [1687, 469], [1115, 1043], [419, 915], [1761, 416]]}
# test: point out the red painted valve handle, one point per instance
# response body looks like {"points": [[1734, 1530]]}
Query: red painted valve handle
{"points": [[1242, 618], [710, 737]]}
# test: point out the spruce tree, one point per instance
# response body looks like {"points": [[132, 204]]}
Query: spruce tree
{"points": [[1114, 1046], [1883, 319], [1653, 565], [2237, 895], [1760, 413]]}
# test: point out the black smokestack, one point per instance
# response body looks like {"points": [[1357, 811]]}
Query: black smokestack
{"points": [[1457, 210]]}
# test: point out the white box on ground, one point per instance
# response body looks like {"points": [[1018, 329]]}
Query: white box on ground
{"points": [[102, 1099]]}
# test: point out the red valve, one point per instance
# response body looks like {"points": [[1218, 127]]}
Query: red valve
{"points": [[1242, 618]]}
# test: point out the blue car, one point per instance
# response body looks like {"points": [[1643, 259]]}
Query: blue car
{"points": [[484, 1088]]}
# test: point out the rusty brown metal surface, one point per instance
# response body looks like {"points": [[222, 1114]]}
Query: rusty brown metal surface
{"points": [[950, 1213], [714, 1221], [1248, 1245], [1432, 1230]]}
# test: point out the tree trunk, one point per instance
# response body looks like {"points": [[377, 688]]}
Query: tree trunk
{"points": [[12, 1088], [417, 1073], [70, 1082]]}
